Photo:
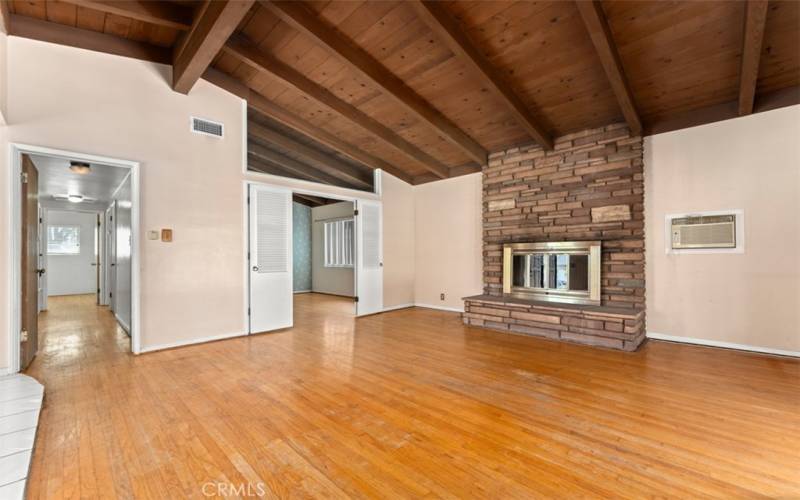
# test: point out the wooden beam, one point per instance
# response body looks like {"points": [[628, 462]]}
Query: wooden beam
{"points": [[789, 96], [595, 20], [159, 13], [245, 51], [256, 164], [262, 105], [36, 29], [214, 23], [755, 20], [326, 163], [309, 200], [297, 15], [5, 17], [310, 172], [436, 17]]}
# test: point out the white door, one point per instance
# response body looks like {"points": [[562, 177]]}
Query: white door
{"points": [[42, 262], [369, 258], [270, 258], [111, 242]]}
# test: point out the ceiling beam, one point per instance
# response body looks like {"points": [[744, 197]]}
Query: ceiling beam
{"points": [[159, 13], [244, 50], [596, 24], [307, 199], [36, 29], [436, 17], [256, 164], [310, 172], [325, 162], [262, 105], [755, 19], [298, 16], [213, 24], [5, 17]]}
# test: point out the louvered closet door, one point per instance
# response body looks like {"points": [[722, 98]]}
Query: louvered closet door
{"points": [[270, 258], [369, 258]]}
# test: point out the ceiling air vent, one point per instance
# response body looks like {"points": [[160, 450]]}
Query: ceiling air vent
{"points": [[717, 231], [206, 127]]}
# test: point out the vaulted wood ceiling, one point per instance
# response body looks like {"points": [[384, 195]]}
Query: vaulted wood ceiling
{"points": [[427, 90]]}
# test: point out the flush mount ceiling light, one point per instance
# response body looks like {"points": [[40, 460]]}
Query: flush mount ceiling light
{"points": [[80, 167], [75, 198], [72, 198]]}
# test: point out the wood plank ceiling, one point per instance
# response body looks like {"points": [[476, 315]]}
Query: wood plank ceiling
{"points": [[426, 90]]}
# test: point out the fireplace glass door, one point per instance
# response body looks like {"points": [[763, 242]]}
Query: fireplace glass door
{"points": [[560, 271]]}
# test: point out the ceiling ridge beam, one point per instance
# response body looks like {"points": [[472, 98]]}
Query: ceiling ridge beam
{"points": [[281, 115], [596, 24], [298, 16], [755, 20], [244, 50], [158, 13], [326, 163], [309, 171], [213, 25], [45, 31], [436, 17]]}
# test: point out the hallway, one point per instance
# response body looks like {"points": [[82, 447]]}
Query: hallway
{"points": [[405, 404]]}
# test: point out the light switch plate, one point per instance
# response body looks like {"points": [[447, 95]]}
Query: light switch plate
{"points": [[166, 235], [152, 235]]}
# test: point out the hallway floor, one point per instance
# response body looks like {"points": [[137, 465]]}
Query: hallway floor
{"points": [[405, 404]]}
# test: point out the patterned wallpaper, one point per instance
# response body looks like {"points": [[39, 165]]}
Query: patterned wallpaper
{"points": [[301, 243]]}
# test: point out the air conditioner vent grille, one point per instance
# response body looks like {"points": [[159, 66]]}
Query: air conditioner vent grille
{"points": [[207, 127], [717, 231]]}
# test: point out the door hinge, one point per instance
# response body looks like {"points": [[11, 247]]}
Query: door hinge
{"points": [[98, 290], [40, 220], [110, 294], [23, 336], [248, 311], [355, 213], [24, 177], [248, 256], [356, 299]]}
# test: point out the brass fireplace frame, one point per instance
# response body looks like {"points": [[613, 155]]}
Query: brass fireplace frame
{"points": [[590, 248]]}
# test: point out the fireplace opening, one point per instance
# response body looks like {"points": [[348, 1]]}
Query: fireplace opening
{"points": [[564, 271]]}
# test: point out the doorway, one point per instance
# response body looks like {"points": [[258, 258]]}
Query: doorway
{"points": [[311, 253], [60, 240]]}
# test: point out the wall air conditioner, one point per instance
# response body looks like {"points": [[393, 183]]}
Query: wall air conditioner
{"points": [[705, 231]]}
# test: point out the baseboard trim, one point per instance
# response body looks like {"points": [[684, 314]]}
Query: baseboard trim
{"points": [[440, 308], [125, 326], [186, 343], [401, 306], [302, 291], [723, 345]]}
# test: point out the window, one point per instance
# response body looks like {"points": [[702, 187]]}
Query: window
{"points": [[63, 240], [339, 243]]}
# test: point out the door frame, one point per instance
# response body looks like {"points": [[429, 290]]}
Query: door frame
{"points": [[15, 151], [300, 187]]}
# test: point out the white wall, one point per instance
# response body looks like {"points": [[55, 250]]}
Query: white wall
{"points": [[333, 280], [398, 241], [3, 75], [83, 101], [448, 241], [750, 299], [73, 274]]}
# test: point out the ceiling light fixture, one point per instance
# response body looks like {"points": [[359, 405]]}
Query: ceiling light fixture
{"points": [[80, 167], [75, 198]]}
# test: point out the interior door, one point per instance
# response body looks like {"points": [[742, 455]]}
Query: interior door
{"points": [[42, 258], [111, 242], [30, 260], [369, 257], [270, 258]]}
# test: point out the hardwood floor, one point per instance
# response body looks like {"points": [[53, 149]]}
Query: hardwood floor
{"points": [[405, 404]]}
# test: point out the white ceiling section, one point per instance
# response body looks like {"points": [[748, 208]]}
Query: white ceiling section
{"points": [[55, 178]]}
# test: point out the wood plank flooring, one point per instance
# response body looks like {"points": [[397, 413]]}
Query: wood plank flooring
{"points": [[405, 404]]}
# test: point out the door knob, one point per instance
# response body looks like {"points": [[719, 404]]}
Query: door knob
{"points": [[255, 268], [40, 271]]}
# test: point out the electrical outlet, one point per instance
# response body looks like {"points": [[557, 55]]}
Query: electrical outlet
{"points": [[441, 296]]}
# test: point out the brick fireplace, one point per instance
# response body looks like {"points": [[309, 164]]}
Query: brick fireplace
{"points": [[590, 187]]}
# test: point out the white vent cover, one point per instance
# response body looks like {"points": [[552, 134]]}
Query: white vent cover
{"points": [[207, 127], [272, 231], [715, 231]]}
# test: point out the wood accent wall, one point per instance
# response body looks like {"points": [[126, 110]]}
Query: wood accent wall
{"points": [[590, 187]]}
